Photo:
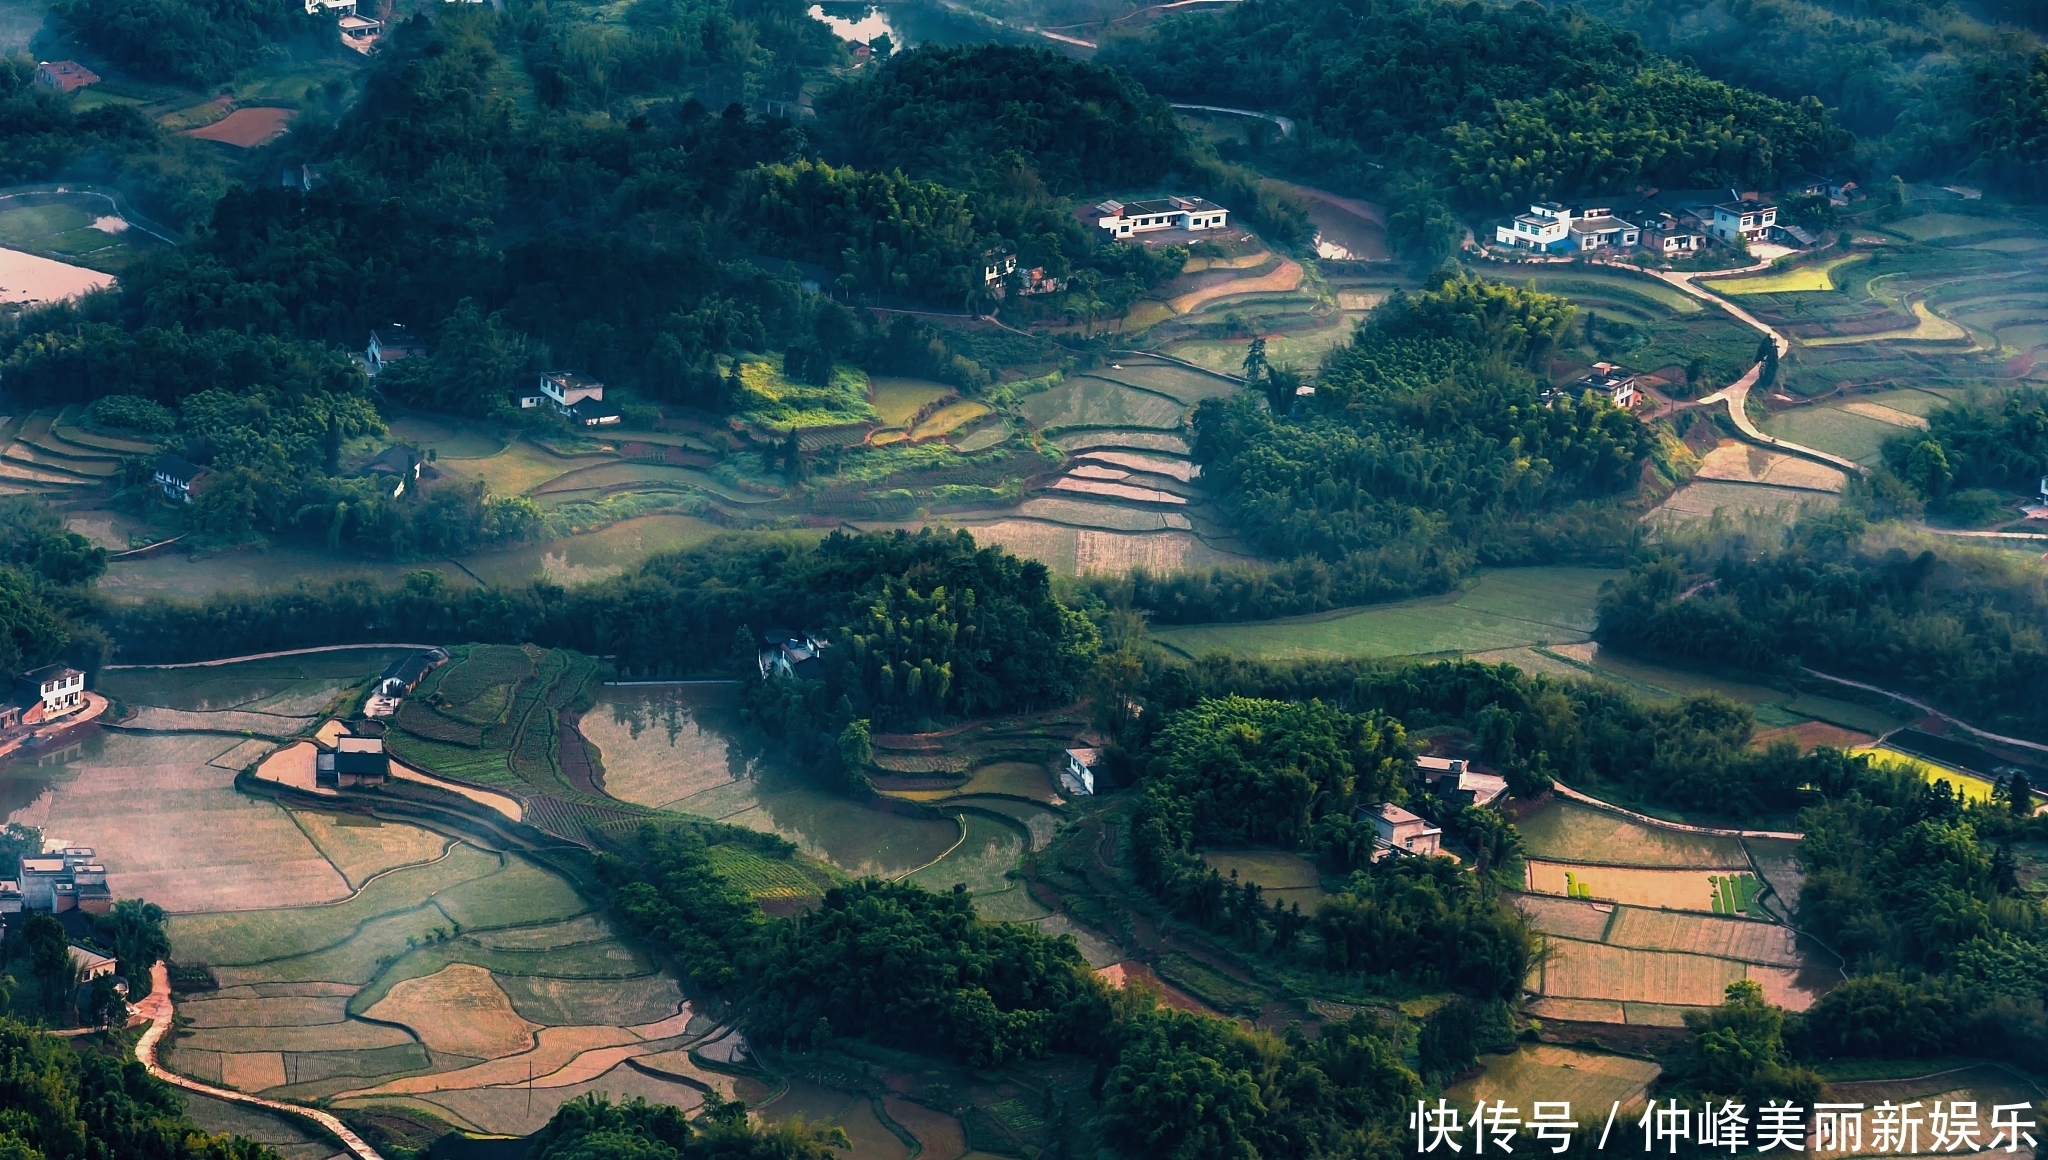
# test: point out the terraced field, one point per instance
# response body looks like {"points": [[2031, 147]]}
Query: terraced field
{"points": [[45, 453], [1940, 300], [475, 986], [1644, 323]]}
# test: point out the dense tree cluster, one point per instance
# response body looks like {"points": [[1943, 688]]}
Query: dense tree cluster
{"points": [[1026, 128], [1496, 106], [64, 1104], [1425, 449], [591, 1127], [1917, 890], [187, 42], [1955, 625], [1241, 771], [1430, 921], [1931, 89], [1973, 455], [979, 626], [898, 964]]}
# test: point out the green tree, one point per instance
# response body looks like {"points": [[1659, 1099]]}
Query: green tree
{"points": [[140, 937]]}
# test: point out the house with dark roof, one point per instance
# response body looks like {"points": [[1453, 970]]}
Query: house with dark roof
{"points": [[790, 654], [353, 761], [594, 413], [1123, 219], [176, 477], [404, 675]]}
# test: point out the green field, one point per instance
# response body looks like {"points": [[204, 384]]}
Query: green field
{"points": [[989, 849], [1566, 831], [77, 227], [1505, 609], [1939, 227], [286, 685], [1547, 1071], [1093, 402], [1812, 276], [1834, 430], [1283, 877], [279, 566], [1303, 350]]}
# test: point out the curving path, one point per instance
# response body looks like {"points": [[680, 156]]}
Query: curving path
{"points": [[264, 656], [1924, 707], [1660, 823], [157, 1009], [1286, 123], [1736, 395]]}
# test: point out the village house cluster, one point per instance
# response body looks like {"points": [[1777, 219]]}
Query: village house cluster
{"points": [[62, 880], [1671, 224]]}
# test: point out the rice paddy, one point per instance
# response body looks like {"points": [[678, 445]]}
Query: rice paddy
{"points": [[679, 751]]}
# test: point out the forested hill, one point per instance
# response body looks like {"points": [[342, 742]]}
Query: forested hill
{"points": [[1495, 105], [1424, 450], [1932, 88]]}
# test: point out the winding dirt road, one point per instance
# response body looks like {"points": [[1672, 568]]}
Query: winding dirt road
{"points": [[157, 1009]]}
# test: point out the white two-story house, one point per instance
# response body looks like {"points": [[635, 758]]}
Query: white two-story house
{"points": [[1547, 226], [1745, 221]]}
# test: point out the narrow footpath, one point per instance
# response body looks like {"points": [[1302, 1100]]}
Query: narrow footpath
{"points": [[157, 1009], [264, 656], [1660, 823], [1736, 395]]}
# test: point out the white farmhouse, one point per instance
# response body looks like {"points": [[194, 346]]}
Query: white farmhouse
{"points": [[1747, 221], [1078, 776], [1547, 226], [1170, 213]]}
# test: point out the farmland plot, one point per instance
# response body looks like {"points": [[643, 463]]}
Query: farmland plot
{"points": [[450, 985], [1634, 886], [669, 747], [1565, 831], [1549, 1071], [170, 827], [1086, 402], [1507, 608]]}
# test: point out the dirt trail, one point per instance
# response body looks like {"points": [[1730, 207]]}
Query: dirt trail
{"points": [[1736, 395], [264, 656], [1927, 708], [157, 1009], [1660, 823], [1286, 277]]}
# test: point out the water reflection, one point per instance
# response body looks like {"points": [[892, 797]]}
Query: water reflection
{"points": [[682, 748]]}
